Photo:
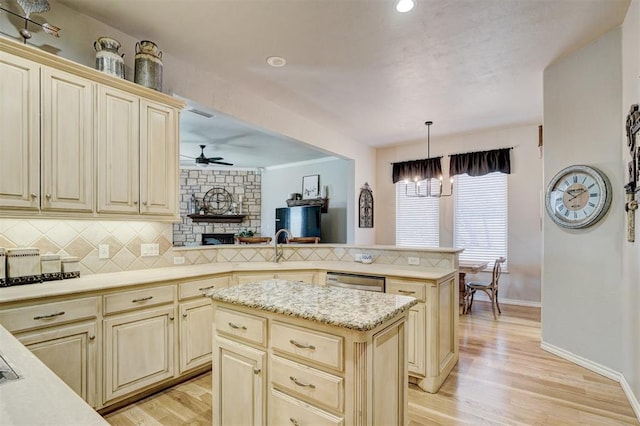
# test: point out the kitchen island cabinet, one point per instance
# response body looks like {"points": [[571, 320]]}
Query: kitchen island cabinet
{"points": [[330, 355]]}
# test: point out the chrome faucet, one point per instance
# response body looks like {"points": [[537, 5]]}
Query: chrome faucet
{"points": [[280, 253]]}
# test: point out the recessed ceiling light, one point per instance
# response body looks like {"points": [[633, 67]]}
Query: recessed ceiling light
{"points": [[404, 6], [276, 61]]}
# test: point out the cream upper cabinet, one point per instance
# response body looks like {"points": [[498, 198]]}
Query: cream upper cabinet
{"points": [[158, 159], [67, 141], [20, 124], [118, 117], [82, 143]]}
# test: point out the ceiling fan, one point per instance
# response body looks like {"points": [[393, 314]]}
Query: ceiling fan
{"points": [[202, 160]]}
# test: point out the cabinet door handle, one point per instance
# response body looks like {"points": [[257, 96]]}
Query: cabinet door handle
{"points": [[304, 385], [34, 195], [256, 370], [406, 292], [184, 315], [171, 318], [207, 288], [135, 203], [302, 345], [142, 299], [144, 203], [92, 337], [57, 314], [237, 327], [293, 421]]}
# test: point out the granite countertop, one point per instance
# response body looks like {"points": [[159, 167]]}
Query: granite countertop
{"points": [[39, 397], [354, 309]]}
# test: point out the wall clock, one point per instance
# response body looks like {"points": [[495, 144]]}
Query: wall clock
{"points": [[578, 196]]}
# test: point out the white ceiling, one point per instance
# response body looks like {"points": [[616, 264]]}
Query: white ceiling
{"points": [[367, 71]]}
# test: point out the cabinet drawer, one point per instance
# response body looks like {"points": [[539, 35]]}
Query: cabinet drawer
{"points": [[406, 288], [48, 314], [314, 385], [137, 299], [320, 348], [198, 287], [286, 410], [238, 324]]}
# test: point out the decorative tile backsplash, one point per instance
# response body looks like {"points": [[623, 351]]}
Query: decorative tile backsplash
{"points": [[81, 238]]}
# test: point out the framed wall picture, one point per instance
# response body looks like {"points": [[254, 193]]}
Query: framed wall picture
{"points": [[365, 206], [310, 187]]}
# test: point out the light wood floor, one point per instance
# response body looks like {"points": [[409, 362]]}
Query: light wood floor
{"points": [[502, 378]]}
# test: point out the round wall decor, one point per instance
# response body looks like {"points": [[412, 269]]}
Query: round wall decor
{"points": [[578, 196]]}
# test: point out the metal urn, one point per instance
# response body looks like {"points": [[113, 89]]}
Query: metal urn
{"points": [[148, 65], [108, 59]]}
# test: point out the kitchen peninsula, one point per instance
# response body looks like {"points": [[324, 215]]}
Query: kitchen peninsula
{"points": [[159, 316], [288, 352]]}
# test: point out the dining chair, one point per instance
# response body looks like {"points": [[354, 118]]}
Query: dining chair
{"points": [[490, 288]]}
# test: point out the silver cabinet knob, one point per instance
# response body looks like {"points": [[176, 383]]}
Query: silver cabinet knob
{"points": [[256, 370], [34, 195], [48, 196]]}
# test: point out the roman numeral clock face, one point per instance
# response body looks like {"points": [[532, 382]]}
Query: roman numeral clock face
{"points": [[578, 196]]}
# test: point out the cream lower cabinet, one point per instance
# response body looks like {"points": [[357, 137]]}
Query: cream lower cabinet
{"points": [[432, 329], [64, 336], [196, 321], [302, 372], [240, 395], [138, 351], [70, 352]]}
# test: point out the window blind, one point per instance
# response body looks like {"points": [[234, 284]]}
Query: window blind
{"points": [[417, 218], [480, 217]]}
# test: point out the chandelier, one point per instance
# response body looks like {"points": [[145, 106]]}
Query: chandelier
{"points": [[426, 187]]}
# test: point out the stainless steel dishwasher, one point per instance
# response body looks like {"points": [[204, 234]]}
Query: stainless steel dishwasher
{"points": [[355, 281]]}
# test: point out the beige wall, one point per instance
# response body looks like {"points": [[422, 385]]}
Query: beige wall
{"points": [[631, 251], [582, 306], [188, 80], [522, 282]]}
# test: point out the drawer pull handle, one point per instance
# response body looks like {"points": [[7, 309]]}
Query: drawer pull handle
{"points": [[304, 385], [142, 299], [256, 370], [207, 288], [302, 345], [237, 327], [293, 421], [406, 292], [57, 314]]}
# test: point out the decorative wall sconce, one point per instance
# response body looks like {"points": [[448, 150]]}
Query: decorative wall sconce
{"points": [[633, 186], [365, 206], [29, 7]]}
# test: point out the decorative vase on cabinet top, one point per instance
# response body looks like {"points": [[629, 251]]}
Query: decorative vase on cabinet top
{"points": [[108, 59], [148, 65]]}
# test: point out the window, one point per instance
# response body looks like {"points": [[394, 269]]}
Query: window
{"points": [[417, 218], [480, 217]]}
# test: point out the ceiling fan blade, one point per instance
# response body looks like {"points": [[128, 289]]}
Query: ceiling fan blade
{"points": [[215, 158], [222, 163], [186, 156]]}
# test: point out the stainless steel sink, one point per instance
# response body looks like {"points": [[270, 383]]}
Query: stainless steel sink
{"points": [[7, 373]]}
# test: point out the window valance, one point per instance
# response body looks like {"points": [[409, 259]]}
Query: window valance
{"points": [[480, 163], [417, 169]]}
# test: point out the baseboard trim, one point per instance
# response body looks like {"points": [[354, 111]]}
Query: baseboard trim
{"points": [[596, 368], [483, 297]]}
